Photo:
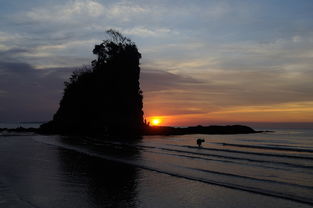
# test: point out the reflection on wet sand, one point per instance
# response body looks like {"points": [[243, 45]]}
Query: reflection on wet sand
{"points": [[108, 184]]}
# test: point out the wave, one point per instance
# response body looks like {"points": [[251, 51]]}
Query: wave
{"points": [[176, 171], [280, 148], [252, 178], [141, 147], [250, 153], [236, 158], [262, 165]]}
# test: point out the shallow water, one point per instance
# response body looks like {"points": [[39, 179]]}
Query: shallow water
{"points": [[254, 170]]}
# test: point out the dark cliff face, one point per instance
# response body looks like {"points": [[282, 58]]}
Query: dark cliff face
{"points": [[105, 98]]}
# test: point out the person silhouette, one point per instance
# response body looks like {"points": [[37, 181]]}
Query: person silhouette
{"points": [[199, 142]]}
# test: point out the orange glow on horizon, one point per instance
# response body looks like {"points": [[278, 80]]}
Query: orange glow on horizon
{"points": [[296, 112]]}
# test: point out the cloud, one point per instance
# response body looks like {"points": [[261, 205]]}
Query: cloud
{"points": [[125, 11], [8, 40], [80, 10], [46, 56], [146, 32], [67, 12]]}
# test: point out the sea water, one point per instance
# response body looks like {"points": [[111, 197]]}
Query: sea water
{"points": [[273, 169]]}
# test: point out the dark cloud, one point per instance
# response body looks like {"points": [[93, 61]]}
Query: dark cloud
{"points": [[30, 94], [158, 80], [18, 68]]}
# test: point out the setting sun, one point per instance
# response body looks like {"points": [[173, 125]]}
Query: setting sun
{"points": [[156, 121]]}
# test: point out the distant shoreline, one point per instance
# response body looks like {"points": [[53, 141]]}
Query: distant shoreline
{"points": [[229, 129], [157, 130]]}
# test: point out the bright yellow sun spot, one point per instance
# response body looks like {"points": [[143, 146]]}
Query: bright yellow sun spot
{"points": [[156, 121]]}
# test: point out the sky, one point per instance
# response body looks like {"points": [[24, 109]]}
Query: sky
{"points": [[203, 62]]}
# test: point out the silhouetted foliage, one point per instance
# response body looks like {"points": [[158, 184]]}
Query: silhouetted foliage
{"points": [[105, 98]]}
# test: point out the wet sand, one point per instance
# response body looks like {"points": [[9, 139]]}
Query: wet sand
{"points": [[51, 171]]}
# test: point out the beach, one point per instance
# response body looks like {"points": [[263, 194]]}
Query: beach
{"points": [[273, 169]]}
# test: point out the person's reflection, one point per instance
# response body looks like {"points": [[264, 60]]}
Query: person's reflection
{"points": [[105, 183]]}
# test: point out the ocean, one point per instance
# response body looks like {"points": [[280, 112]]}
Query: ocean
{"points": [[273, 169]]}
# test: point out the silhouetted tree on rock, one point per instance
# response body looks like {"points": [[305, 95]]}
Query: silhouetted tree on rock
{"points": [[105, 98]]}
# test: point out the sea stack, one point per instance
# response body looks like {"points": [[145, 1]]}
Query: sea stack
{"points": [[104, 98]]}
